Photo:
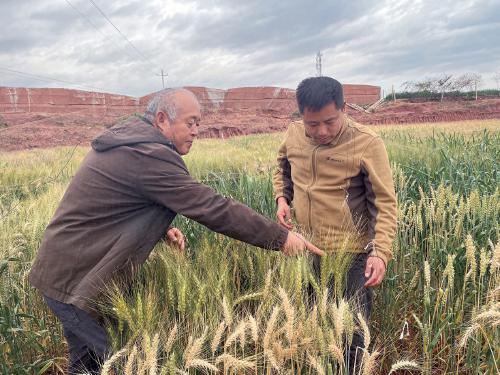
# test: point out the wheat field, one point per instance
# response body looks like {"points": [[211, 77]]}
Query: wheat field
{"points": [[226, 307]]}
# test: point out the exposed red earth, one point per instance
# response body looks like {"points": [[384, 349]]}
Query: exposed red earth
{"points": [[40, 118]]}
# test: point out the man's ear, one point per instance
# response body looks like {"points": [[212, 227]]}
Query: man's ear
{"points": [[343, 107], [162, 120]]}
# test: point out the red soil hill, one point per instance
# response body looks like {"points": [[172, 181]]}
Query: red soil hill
{"points": [[53, 117]]}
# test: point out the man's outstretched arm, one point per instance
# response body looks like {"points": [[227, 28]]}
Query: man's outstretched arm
{"points": [[170, 185]]}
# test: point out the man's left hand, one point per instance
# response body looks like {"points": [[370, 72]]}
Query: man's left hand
{"points": [[374, 271], [176, 238]]}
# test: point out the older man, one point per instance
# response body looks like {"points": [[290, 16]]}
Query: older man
{"points": [[337, 174], [119, 205]]}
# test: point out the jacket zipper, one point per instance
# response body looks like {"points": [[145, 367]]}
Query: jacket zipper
{"points": [[315, 150]]}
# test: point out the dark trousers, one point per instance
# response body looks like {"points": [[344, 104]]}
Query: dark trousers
{"points": [[87, 340], [361, 296]]}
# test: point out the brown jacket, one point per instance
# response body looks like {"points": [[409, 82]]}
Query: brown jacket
{"points": [[343, 192], [118, 206]]}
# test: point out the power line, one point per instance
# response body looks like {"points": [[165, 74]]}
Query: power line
{"points": [[107, 37], [48, 79], [201, 99], [143, 57]]}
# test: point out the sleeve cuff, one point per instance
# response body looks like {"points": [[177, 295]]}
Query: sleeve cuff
{"points": [[280, 239], [282, 196], [379, 254]]}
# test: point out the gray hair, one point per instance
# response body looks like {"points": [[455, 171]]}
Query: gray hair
{"points": [[163, 101]]}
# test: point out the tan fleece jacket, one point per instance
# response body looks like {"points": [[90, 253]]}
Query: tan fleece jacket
{"points": [[342, 193]]}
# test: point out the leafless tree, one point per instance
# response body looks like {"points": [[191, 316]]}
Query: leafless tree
{"points": [[476, 80], [473, 80], [439, 86], [461, 82], [444, 84], [428, 84], [496, 77], [434, 85]]}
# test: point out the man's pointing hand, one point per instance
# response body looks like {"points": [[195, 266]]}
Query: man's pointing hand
{"points": [[295, 245]]}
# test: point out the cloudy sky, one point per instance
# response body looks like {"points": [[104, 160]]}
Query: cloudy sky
{"points": [[230, 43]]}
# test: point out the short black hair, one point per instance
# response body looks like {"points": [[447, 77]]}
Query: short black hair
{"points": [[317, 92]]}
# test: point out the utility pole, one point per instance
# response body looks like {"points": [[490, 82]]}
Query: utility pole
{"points": [[318, 63], [162, 78]]}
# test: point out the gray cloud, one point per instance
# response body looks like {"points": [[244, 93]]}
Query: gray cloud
{"points": [[259, 24], [222, 43]]}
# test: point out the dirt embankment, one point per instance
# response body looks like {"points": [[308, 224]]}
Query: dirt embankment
{"points": [[408, 111], [34, 118]]}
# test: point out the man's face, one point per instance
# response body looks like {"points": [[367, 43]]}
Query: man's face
{"points": [[184, 129], [323, 125]]}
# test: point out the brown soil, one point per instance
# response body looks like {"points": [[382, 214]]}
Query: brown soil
{"points": [[406, 111], [20, 131]]}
